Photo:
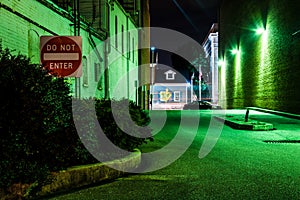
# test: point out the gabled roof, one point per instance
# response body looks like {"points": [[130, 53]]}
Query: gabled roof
{"points": [[170, 72]]}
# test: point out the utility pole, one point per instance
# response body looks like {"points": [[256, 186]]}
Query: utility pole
{"points": [[192, 87], [152, 73], [200, 79]]}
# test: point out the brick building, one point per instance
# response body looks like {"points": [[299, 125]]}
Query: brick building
{"points": [[110, 38], [259, 54]]}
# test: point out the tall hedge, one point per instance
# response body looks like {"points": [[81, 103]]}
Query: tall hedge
{"points": [[36, 130]]}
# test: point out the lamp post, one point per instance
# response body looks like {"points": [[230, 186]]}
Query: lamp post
{"points": [[192, 89], [152, 71], [200, 79]]}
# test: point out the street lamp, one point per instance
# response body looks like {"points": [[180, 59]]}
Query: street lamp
{"points": [[200, 80], [192, 85], [152, 73]]}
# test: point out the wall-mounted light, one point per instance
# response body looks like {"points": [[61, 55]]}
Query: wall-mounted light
{"points": [[222, 63], [234, 51], [260, 31]]}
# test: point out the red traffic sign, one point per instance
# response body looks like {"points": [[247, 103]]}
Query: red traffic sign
{"points": [[62, 55]]}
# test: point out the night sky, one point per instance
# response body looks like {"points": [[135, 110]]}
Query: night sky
{"points": [[191, 17]]}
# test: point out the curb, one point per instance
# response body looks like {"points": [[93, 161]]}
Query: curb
{"points": [[240, 124], [283, 114], [79, 176]]}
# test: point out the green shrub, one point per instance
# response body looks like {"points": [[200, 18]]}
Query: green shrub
{"points": [[117, 119], [37, 133], [124, 123]]}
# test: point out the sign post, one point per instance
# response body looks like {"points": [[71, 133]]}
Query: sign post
{"points": [[62, 55]]}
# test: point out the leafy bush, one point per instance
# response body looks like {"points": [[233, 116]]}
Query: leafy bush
{"points": [[36, 130], [124, 123]]}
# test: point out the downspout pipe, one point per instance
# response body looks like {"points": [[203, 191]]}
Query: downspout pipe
{"points": [[76, 32]]}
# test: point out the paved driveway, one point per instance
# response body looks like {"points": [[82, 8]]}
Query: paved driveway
{"points": [[239, 166]]}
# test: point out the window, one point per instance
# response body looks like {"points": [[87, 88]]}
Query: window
{"points": [[170, 75], [122, 39], [85, 74], [129, 46], [133, 49], [97, 71], [104, 15], [177, 96], [116, 32]]}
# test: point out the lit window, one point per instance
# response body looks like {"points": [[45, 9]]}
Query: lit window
{"points": [[177, 96]]}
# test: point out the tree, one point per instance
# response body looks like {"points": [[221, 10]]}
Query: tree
{"points": [[188, 60]]}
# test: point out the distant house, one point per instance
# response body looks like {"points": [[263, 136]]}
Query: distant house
{"points": [[170, 89]]}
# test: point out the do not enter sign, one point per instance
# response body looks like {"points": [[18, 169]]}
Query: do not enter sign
{"points": [[62, 55]]}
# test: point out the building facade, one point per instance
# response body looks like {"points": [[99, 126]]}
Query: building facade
{"points": [[210, 46], [110, 39], [170, 90], [260, 54]]}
